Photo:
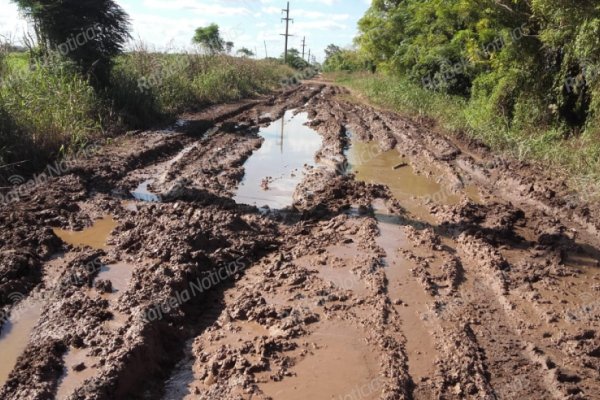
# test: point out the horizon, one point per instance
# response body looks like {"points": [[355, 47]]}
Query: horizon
{"points": [[170, 26]]}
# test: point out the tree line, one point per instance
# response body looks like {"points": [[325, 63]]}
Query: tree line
{"points": [[530, 62]]}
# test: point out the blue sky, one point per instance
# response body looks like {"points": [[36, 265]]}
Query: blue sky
{"points": [[170, 24]]}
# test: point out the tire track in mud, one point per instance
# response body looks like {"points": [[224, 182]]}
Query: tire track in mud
{"points": [[351, 293]]}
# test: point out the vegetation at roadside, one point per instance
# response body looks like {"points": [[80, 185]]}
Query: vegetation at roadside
{"points": [[209, 38], [76, 84], [49, 105], [347, 60], [521, 76]]}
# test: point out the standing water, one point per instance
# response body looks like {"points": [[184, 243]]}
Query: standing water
{"points": [[274, 171], [15, 334], [95, 237], [391, 169]]}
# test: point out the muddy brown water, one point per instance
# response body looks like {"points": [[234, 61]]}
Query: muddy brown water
{"points": [[119, 275], [403, 286], [289, 145], [74, 379], [341, 365], [413, 190], [95, 237], [15, 334]]}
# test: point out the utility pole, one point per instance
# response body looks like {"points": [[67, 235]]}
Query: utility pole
{"points": [[303, 46], [287, 20], [266, 53], [309, 56]]}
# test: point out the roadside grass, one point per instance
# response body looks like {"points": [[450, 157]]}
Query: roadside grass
{"points": [[48, 111], [41, 110], [576, 155], [17, 60], [150, 86]]}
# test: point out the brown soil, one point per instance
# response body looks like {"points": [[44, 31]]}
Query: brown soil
{"points": [[408, 266]]}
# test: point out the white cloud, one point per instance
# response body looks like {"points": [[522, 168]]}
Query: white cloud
{"points": [[248, 23], [206, 9], [12, 25]]}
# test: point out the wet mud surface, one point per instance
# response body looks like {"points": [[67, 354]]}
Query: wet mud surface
{"points": [[299, 246]]}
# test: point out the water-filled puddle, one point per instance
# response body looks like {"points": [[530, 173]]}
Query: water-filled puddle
{"points": [[403, 286], [79, 366], [142, 193], [341, 366], [15, 334], [389, 168], [118, 274], [95, 237], [273, 172]]}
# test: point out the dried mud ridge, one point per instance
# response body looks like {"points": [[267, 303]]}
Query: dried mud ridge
{"points": [[348, 295]]}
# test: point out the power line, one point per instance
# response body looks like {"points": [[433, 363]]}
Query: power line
{"points": [[287, 20]]}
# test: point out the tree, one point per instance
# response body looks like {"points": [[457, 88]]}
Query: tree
{"points": [[210, 39], [345, 60], [89, 32], [244, 52], [295, 59], [524, 63], [229, 47], [331, 50]]}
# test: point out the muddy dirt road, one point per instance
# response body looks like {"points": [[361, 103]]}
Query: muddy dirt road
{"points": [[300, 246]]}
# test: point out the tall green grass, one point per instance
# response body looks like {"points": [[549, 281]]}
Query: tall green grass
{"points": [[147, 86], [46, 108], [576, 155]]}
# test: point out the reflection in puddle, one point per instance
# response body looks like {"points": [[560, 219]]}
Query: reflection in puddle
{"points": [[341, 366], [142, 193], [289, 145], [389, 168], [95, 237], [15, 334]]}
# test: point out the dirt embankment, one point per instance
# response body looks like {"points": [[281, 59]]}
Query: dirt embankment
{"points": [[408, 267]]}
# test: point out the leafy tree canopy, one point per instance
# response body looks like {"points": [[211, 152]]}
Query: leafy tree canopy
{"points": [[89, 32], [245, 52], [209, 38], [513, 58]]}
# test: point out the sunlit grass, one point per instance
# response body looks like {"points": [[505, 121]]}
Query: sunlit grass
{"points": [[47, 108]]}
